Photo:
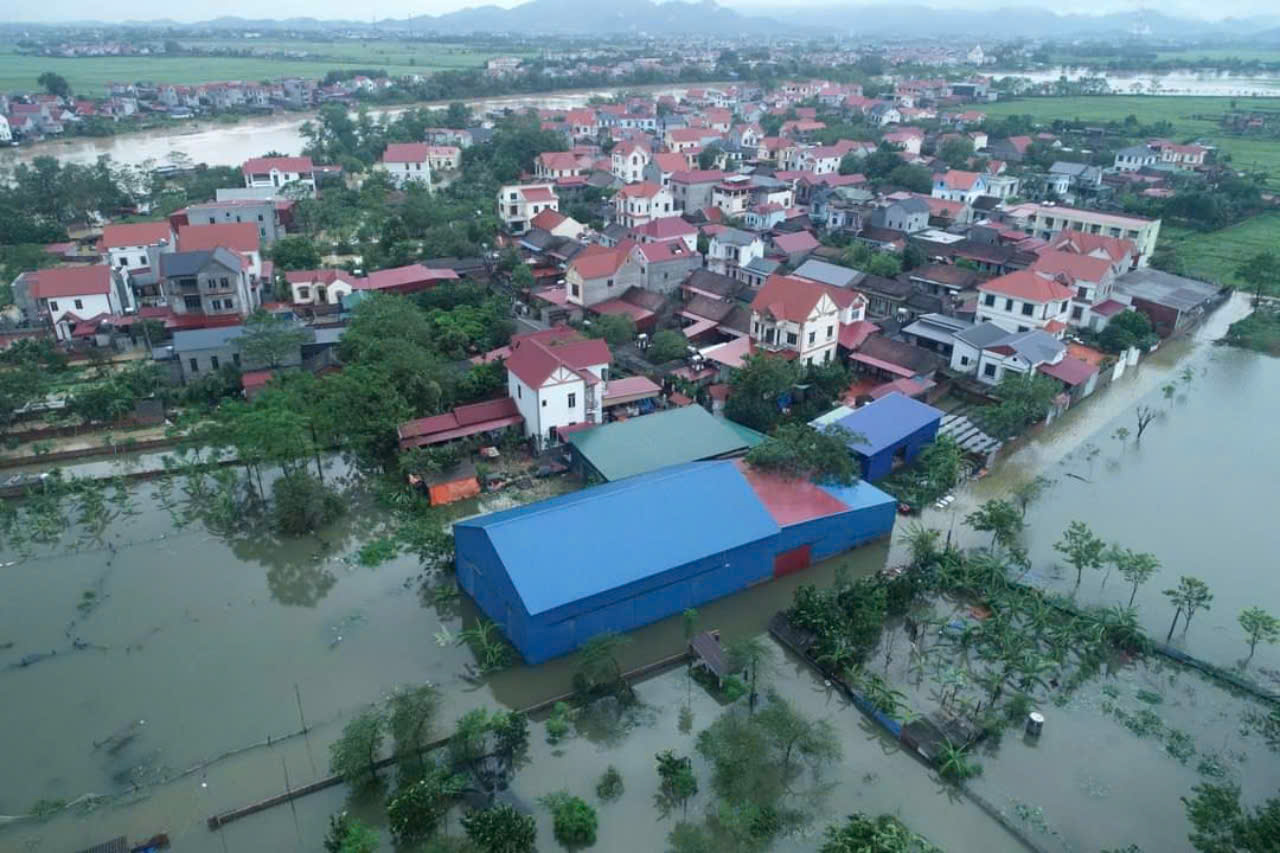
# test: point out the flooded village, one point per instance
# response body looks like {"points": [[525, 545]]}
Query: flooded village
{"points": [[703, 468]]}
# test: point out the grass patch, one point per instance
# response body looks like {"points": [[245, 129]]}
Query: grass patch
{"points": [[1260, 331], [1215, 255], [378, 551]]}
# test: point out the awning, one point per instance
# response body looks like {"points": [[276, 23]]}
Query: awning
{"points": [[698, 327], [871, 361], [630, 389], [461, 432]]}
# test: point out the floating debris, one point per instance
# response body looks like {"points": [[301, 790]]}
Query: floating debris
{"points": [[118, 741]]}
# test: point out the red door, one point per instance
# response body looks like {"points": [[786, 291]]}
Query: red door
{"points": [[791, 561]]}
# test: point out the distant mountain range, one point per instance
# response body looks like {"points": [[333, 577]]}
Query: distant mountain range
{"points": [[707, 17]]}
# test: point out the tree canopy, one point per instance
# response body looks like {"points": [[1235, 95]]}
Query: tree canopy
{"points": [[799, 450]]}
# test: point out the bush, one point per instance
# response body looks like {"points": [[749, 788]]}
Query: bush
{"points": [[668, 345], [558, 723], [733, 688], [610, 786], [574, 822], [303, 503]]}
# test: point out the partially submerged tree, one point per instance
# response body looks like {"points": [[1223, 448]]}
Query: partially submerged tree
{"points": [[998, 517], [801, 451], [501, 829], [1136, 568], [1082, 549], [1259, 627], [863, 834], [598, 667], [1031, 491], [1191, 594], [1146, 414], [1221, 824], [354, 755], [749, 655], [677, 783]]}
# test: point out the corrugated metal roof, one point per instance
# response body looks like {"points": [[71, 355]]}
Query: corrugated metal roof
{"points": [[650, 524], [655, 441], [887, 421]]}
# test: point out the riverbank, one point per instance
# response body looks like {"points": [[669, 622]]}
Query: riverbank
{"points": [[222, 144]]}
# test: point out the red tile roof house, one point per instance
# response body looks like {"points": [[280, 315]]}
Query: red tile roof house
{"points": [[279, 171], [135, 249], [666, 229], [1025, 300], [557, 224], [598, 274], [407, 162], [795, 246], [65, 296], [1092, 279], [558, 378], [240, 237], [410, 279], [637, 204], [796, 317]]}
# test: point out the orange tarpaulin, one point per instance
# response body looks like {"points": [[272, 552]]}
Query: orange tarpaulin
{"points": [[456, 490]]}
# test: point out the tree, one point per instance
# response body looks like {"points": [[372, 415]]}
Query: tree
{"points": [[677, 783], [755, 389], [1027, 493], [1136, 568], [863, 834], [522, 277], [574, 822], [271, 339], [302, 503], [1146, 414], [1259, 626], [667, 345], [1024, 399], [708, 156], [795, 738], [957, 152], [1220, 824], [411, 714], [55, 84], [917, 179], [1127, 329], [798, 450], [913, 257], [598, 666], [1191, 594], [501, 829], [1081, 547], [850, 164], [616, 329], [354, 755], [295, 252], [749, 655], [418, 810], [1261, 272], [998, 517], [349, 835]]}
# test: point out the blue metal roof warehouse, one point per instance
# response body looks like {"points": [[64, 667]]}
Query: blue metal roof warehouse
{"points": [[893, 425], [556, 573]]}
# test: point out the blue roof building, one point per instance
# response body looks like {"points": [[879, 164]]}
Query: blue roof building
{"points": [[555, 573], [895, 427]]}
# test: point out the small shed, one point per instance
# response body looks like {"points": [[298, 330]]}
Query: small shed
{"points": [[895, 428]]}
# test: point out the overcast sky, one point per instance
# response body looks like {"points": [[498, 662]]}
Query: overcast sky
{"points": [[196, 10]]}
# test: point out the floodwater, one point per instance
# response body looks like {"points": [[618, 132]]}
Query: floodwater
{"points": [[1198, 491], [231, 144], [1184, 82]]}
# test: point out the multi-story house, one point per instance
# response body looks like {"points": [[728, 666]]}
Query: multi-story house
{"points": [[583, 123], [908, 215], [1024, 300], [558, 378], [1186, 156], [1091, 278], [208, 283], [519, 203], [598, 274], [730, 248], [406, 163], [135, 245], [63, 296], [1046, 221], [664, 265], [628, 160], [279, 172], [444, 158], [554, 165], [797, 316], [240, 237], [692, 190], [820, 159], [666, 229], [663, 165], [637, 204], [1135, 157], [959, 185], [263, 213]]}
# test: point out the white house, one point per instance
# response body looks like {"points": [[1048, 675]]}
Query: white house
{"points": [[6, 134], [1135, 157], [1092, 279], [1018, 352], [135, 245], [63, 296], [444, 158], [797, 315], [959, 185], [279, 171], [518, 204], [407, 162], [637, 204], [319, 287], [558, 379], [730, 248], [628, 160], [1024, 300]]}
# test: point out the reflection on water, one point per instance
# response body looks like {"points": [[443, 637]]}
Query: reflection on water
{"points": [[1184, 82]]}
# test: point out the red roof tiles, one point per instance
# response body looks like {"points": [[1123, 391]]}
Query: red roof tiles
{"points": [[1028, 285], [62, 282]]}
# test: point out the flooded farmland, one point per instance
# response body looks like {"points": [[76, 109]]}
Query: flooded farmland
{"points": [[195, 645]]}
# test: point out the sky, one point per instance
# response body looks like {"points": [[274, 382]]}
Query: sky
{"points": [[196, 10]]}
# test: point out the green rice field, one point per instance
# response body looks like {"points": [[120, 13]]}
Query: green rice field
{"points": [[91, 75], [1215, 255]]}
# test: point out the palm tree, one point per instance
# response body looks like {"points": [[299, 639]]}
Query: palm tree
{"points": [[598, 661]]}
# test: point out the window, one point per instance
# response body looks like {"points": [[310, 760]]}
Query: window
{"points": [[575, 289], [812, 337], [964, 361], [519, 392], [1028, 308], [990, 300], [791, 337], [259, 217], [609, 283], [1077, 312], [1008, 305], [989, 369], [213, 362], [235, 359], [831, 330], [79, 304], [223, 282], [195, 365], [544, 404], [53, 306], [304, 292], [1023, 329], [142, 260], [573, 400]]}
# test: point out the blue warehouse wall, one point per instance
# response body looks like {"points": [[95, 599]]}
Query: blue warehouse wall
{"points": [[649, 600], [483, 577], [880, 465]]}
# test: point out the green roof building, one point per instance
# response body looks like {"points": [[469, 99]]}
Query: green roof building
{"points": [[650, 442]]}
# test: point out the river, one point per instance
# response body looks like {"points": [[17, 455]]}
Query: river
{"points": [[1181, 82], [220, 144]]}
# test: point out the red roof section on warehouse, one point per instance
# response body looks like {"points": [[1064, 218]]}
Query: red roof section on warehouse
{"points": [[404, 279], [62, 282], [237, 236], [790, 500], [459, 423]]}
